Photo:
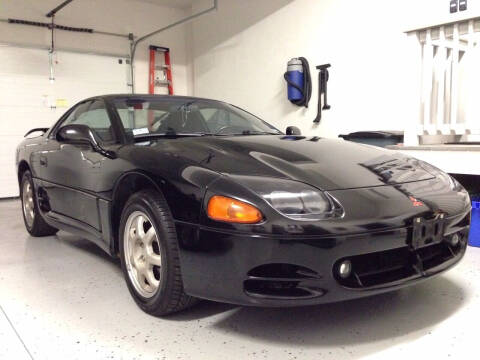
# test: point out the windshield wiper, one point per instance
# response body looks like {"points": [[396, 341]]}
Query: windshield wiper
{"points": [[170, 134], [257, 132]]}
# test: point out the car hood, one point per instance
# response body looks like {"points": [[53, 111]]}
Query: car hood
{"points": [[327, 164]]}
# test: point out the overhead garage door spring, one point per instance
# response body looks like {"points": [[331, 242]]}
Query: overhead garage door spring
{"points": [[49, 25]]}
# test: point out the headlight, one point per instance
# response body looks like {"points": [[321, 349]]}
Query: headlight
{"points": [[434, 171], [305, 203], [447, 179], [461, 191], [294, 199]]}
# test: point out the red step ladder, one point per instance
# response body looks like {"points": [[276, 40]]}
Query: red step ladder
{"points": [[160, 73]]}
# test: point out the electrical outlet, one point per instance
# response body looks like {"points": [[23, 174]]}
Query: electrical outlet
{"points": [[462, 5], [453, 6]]}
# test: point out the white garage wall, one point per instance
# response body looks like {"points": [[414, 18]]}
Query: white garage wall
{"points": [[119, 16], [240, 55]]}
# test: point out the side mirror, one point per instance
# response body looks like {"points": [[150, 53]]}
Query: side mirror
{"points": [[76, 133], [82, 134], [293, 130]]}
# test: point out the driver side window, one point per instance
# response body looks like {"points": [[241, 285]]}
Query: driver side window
{"points": [[94, 115]]}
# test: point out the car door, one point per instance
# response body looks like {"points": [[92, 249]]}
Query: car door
{"points": [[71, 174]]}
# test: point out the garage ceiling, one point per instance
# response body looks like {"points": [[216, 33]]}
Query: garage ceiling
{"points": [[171, 3]]}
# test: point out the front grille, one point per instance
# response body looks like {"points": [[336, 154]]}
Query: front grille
{"points": [[391, 266]]}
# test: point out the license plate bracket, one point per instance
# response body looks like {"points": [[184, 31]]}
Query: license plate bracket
{"points": [[427, 231]]}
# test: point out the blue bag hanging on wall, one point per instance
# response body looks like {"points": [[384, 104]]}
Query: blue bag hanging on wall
{"points": [[295, 75], [299, 82]]}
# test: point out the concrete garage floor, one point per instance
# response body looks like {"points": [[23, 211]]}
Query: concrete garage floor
{"points": [[61, 297]]}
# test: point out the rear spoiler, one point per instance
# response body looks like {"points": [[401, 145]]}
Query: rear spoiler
{"points": [[43, 130]]}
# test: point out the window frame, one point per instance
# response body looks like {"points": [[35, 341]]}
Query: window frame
{"points": [[119, 136]]}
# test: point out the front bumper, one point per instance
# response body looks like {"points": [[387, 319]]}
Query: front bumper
{"points": [[262, 270]]}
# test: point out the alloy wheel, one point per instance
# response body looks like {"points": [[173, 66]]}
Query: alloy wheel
{"points": [[143, 258], [28, 205]]}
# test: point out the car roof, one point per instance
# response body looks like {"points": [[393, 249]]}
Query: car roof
{"points": [[149, 96]]}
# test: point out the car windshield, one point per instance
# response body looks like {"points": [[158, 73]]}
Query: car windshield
{"points": [[162, 117]]}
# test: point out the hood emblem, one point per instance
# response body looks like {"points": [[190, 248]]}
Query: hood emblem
{"points": [[415, 202]]}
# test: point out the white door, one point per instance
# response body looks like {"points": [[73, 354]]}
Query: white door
{"points": [[29, 100]]}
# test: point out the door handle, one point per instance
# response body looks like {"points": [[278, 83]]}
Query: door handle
{"points": [[43, 161]]}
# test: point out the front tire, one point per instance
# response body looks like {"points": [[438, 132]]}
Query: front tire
{"points": [[149, 255], [34, 222]]}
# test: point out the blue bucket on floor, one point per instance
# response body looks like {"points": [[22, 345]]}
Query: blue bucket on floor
{"points": [[474, 238]]}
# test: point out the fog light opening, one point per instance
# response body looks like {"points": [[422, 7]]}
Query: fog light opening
{"points": [[454, 239], [345, 269]]}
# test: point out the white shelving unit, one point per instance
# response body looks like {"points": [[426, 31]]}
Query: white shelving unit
{"points": [[449, 109], [449, 104]]}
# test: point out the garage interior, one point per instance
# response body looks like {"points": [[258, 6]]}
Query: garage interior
{"points": [[407, 66]]}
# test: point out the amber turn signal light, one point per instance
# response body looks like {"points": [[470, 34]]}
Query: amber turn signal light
{"points": [[230, 210]]}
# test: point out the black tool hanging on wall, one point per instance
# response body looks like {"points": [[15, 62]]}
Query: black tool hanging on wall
{"points": [[323, 76]]}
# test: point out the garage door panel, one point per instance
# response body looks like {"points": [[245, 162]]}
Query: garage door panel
{"points": [[28, 99], [17, 121], [23, 92], [31, 60], [8, 179]]}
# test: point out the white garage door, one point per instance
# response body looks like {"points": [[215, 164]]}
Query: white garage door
{"points": [[28, 99]]}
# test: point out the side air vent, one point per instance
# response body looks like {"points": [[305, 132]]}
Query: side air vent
{"points": [[283, 281], [43, 201]]}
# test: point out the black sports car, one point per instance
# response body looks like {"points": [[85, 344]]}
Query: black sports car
{"points": [[201, 199]]}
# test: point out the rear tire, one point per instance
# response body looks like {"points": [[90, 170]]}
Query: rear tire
{"points": [[34, 222], [149, 255]]}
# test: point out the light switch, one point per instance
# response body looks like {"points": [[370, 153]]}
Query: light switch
{"points": [[453, 6]]}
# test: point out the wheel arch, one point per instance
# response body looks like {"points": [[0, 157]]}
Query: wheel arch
{"points": [[128, 184], [22, 167]]}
